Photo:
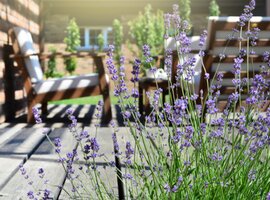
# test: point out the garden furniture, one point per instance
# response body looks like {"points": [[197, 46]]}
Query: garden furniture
{"points": [[41, 91], [223, 48], [146, 84]]}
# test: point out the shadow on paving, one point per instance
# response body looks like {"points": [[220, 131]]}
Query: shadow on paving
{"points": [[85, 114]]}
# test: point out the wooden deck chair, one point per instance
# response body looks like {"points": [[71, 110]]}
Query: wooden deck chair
{"points": [[41, 91], [219, 31], [147, 84]]}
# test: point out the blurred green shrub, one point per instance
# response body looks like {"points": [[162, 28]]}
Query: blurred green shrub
{"points": [[185, 10], [51, 71], [72, 41], [117, 40], [148, 28], [100, 42], [214, 8]]}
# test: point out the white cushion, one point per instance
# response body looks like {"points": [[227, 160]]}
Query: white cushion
{"points": [[72, 82], [25, 42]]}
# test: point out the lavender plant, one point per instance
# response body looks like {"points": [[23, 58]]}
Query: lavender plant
{"points": [[175, 153], [180, 154]]}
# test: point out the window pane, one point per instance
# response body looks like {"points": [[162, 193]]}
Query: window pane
{"points": [[82, 37], [110, 37], [94, 35]]}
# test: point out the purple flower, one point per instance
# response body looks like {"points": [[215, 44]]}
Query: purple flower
{"points": [[178, 135], [167, 23], [180, 104], [136, 71], [129, 150], [233, 97], [220, 76], [167, 187], [203, 37], [30, 195], [266, 56], [23, 170], [185, 42], [237, 65], [46, 194], [115, 144], [211, 106], [135, 93], [247, 14], [36, 114], [268, 196], [203, 128], [216, 157], [99, 109], [94, 144], [69, 111], [126, 114], [194, 97], [206, 75], [57, 145], [201, 53], [110, 65], [147, 54], [83, 134], [73, 122], [40, 171], [189, 132], [252, 175], [175, 16], [167, 108], [122, 60], [251, 100], [127, 176], [168, 62]]}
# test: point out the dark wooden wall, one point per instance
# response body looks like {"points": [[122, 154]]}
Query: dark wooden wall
{"points": [[26, 14]]}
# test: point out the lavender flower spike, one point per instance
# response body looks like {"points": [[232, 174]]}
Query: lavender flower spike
{"points": [[36, 114], [147, 53], [110, 65]]}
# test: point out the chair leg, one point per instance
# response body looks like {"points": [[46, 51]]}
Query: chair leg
{"points": [[44, 108], [147, 107], [107, 108], [30, 115], [141, 100]]}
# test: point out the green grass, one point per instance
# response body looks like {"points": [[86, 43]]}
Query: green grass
{"points": [[83, 100]]}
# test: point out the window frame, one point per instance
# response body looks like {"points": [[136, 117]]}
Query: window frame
{"points": [[87, 46]]}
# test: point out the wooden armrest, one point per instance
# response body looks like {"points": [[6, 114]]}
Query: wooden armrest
{"points": [[67, 55], [58, 54], [16, 56]]}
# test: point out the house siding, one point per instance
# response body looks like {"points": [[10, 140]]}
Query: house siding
{"points": [[103, 12]]}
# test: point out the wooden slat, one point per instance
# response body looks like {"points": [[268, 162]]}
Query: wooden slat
{"points": [[228, 26], [235, 43], [243, 74], [59, 55], [108, 174], [230, 58], [8, 133], [44, 157], [16, 149]]}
